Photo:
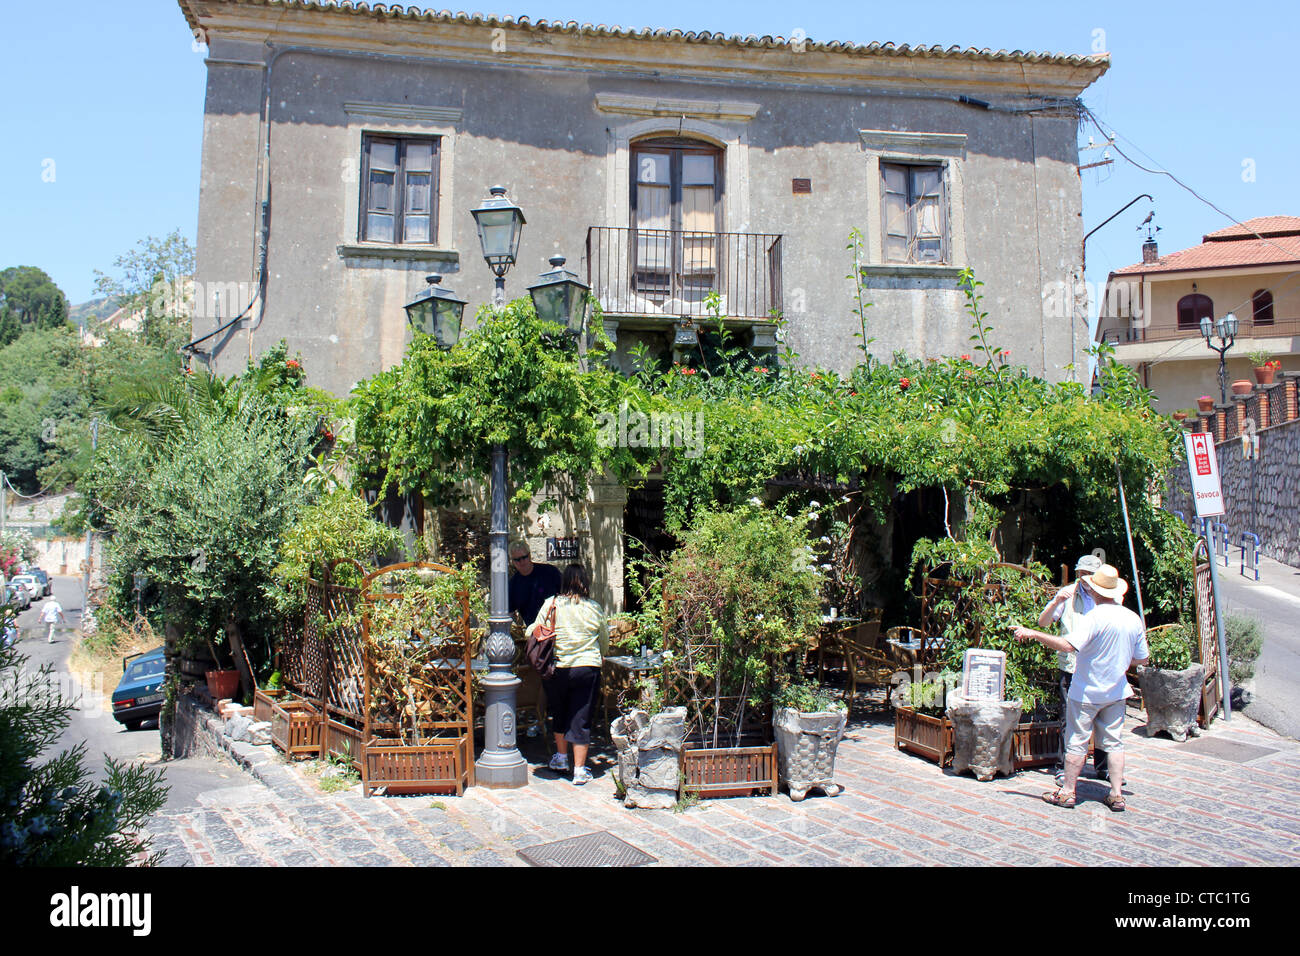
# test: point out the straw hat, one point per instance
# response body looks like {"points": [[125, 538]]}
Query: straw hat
{"points": [[1107, 582]]}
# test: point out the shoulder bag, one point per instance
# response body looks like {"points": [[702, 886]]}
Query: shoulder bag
{"points": [[540, 649]]}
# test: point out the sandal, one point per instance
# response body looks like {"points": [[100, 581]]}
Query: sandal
{"points": [[1056, 799], [1116, 804]]}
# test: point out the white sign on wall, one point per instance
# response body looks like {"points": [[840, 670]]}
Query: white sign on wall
{"points": [[1203, 467]]}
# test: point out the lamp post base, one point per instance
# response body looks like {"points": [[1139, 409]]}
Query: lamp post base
{"points": [[500, 765]]}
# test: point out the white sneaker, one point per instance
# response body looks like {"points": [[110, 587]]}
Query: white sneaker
{"points": [[559, 762], [580, 776]]}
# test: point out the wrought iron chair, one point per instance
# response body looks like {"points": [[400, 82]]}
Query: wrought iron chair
{"points": [[868, 667]]}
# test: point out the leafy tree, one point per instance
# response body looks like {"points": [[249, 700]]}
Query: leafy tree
{"points": [[42, 402], [153, 282], [52, 813], [29, 299]]}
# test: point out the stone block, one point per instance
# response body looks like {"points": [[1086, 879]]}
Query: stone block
{"points": [[259, 732], [237, 728], [983, 731]]}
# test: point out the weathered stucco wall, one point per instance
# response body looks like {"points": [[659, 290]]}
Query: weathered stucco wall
{"points": [[1013, 196], [1276, 491]]}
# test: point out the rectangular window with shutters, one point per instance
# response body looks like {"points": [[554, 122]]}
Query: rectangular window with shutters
{"points": [[399, 189], [912, 199]]}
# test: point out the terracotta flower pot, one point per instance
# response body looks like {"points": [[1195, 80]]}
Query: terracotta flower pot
{"points": [[1205, 404], [222, 684], [1264, 375], [1180, 416], [1241, 387]]}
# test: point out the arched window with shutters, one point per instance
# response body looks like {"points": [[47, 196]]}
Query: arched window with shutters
{"points": [[1191, 308], [1262, 307]]}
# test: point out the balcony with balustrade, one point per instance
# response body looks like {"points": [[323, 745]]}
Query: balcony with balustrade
{"points": [[652, 278]]}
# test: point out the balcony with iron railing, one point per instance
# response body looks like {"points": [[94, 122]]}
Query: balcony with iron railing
{"points": [[665, 274], [1164, 332]]}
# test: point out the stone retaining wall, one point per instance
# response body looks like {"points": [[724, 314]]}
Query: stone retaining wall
{"points": [[1277, 491]]}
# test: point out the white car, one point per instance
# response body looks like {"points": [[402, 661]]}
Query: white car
{"points": [[31, 583]]}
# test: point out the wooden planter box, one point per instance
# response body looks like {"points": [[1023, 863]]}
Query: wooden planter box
{"points": [[729, 771], [342, 740], [924, 735], [1036, 744], [296, 728], [264, 701], [439, 765]]}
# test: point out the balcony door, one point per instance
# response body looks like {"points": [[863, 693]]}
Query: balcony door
{"points": [[676, 204]]}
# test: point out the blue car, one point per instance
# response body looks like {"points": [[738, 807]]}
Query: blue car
{"points": [[139, 694]]}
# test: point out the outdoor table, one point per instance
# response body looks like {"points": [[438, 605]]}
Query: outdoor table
{"points": [[904, 653]]}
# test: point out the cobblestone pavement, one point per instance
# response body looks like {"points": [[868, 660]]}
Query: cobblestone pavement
{"points": [[1185, 808]]}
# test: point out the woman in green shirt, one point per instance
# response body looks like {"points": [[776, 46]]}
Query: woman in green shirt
{"points": [[581, 642]]}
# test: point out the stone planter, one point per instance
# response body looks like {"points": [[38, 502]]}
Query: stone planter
{"points": [[1172, 699], [983, 732], [805, 748], [649, 757]]}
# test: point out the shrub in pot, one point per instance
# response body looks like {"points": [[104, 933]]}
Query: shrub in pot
{"points": [[1171, 683], [809, 723]]}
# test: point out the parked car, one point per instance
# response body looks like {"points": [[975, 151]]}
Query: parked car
{"points": [[18, 596], [32, 584], [139, 693], [46, 584]]}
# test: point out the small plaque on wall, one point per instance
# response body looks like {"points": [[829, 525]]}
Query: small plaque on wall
{"points": [[563, 549], [801, 187], [983, 674]]}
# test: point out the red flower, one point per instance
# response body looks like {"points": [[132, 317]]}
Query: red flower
{"points": [[761, 370], [814, 376], [905, 383], [852, 394], [292, 364], [329, 435], [686, 371], [965, 358]]}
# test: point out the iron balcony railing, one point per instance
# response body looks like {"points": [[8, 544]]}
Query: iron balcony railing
{"points": [[1171, 333], [662, 272]]}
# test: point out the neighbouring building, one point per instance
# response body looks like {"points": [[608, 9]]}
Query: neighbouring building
{"points": [[344, 146], [1152, 310]]}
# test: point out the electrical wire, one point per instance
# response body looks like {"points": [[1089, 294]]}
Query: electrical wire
{"points": [[1111, 135], [38, 494]]}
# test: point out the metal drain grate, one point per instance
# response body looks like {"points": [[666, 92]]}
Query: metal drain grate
{"points": [[1226, 749], [591, 849]]}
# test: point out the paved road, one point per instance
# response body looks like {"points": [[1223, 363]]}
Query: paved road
{"points": [[1275, 602], [92, 722]]}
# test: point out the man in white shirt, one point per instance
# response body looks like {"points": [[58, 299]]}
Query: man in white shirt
{"points": [[1109, 640], [51, 614]]}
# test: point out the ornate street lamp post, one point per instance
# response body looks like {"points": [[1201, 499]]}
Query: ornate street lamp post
{"points": [[558, 297], [1226, 330]]}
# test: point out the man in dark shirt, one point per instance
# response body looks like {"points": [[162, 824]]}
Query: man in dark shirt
{"points": [[531, 585]]}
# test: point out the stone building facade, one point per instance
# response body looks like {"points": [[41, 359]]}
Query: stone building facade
{"points": [[344, 147]]}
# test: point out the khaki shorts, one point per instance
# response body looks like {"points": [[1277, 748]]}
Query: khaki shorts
{"points": [[1082, 720]]}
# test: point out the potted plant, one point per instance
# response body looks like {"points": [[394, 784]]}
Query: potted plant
{"points": [[809, 723], [1265, 367], [731, 606], [1180, 416], [1205, 404], [1171, 683], [920, 724]]}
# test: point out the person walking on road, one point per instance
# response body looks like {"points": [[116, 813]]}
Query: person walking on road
{"points": [[51, 614], [1109, 640]]}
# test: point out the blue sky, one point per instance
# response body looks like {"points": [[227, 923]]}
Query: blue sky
{"points": [[104, 109]]}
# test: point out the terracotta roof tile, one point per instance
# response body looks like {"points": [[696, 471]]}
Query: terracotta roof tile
{"points": [[1264, 226], [1220, 255], [397, 11]]}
